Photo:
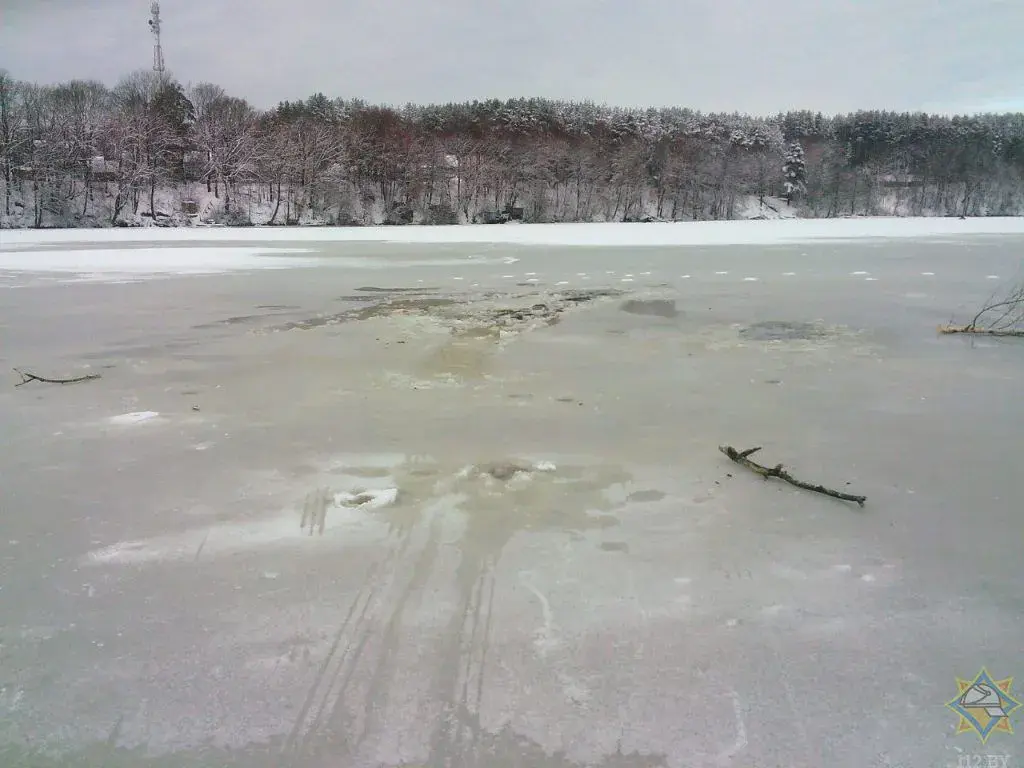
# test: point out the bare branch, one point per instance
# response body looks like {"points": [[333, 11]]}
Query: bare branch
{"points": [[999, 316], [27, 376], [742, 458]]}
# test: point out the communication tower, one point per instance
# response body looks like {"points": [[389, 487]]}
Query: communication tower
{"points": [[154, 27]]}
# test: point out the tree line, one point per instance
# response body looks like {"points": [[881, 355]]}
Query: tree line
{"points": [[80, 153]]}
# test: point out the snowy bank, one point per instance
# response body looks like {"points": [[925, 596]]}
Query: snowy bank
{"points": [[655, 234]]}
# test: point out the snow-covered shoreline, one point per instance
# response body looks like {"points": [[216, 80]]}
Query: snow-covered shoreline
{"points": [[588, 234]]}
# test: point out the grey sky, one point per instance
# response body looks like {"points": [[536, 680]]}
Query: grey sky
{"points": [[732, 55]]}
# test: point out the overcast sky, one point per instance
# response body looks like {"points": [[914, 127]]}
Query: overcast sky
{"points": [[732, 55]]}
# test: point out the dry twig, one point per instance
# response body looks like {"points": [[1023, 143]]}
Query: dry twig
{"points": [[743, 458], [27, 376]]}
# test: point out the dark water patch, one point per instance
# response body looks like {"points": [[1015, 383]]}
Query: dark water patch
{"points": [[651, 307], [782, 330]]}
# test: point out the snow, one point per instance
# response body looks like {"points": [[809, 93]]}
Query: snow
{"points": [[135, 417], [128, 262], [661, 234]]}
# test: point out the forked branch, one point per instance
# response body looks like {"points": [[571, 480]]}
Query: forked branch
{"points": [[743, 458], [27, 376]]}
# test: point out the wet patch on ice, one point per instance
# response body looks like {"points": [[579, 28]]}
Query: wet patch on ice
{"points": [[361, 500], [401, 305], [235, 320]]}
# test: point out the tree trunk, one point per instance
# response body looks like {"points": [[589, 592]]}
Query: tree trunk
{"points": [[37, 204], [277, 204]]}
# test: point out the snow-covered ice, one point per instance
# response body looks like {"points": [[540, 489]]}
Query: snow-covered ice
{"points": [[612, 234], [129, 262]]}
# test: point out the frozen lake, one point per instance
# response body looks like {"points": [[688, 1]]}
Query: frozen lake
{"points": [[343, 503]]}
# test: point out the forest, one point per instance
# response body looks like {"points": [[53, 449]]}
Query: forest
{"points": [[151, 150]]}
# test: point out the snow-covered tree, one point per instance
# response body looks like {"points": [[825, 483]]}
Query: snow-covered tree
{"points": [[794, 171], [329, 159]]}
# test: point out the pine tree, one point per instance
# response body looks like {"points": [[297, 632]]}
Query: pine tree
{"points": [[795, 171]]}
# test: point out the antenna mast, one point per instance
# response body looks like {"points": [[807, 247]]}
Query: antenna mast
{"points": [[154, 27]]}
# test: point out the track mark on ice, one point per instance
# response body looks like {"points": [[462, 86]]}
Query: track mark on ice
{"points": [[858, 273], [339, 664], [740, 742], [992, 277], [928, 274], [545, 638], [789, 274], [751, 279], [722, 273]]}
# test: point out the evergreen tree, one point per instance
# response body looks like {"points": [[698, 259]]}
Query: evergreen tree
{"points": [[795, 171]]}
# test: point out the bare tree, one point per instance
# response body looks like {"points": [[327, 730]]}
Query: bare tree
{"points": [[156, 115], [226, 131], [81, 108], [47, 151], [14, 135]]}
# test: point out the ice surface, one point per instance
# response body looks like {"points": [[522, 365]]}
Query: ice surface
{"points": [[599, 587], [681, 233]]}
